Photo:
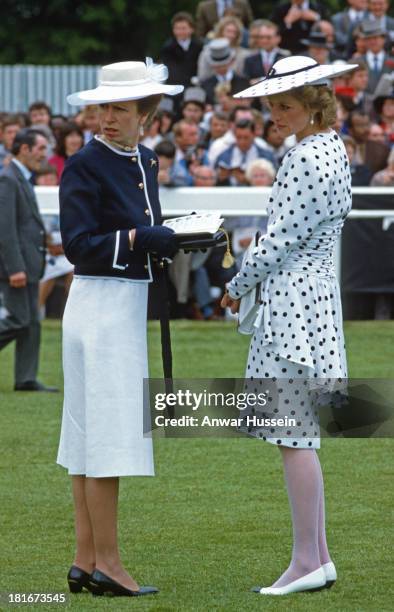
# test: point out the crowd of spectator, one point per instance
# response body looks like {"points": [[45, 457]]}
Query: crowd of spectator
{"points": [[206, 137]]}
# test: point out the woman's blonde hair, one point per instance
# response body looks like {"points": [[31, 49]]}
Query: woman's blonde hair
{"points": [[318, 99], [223, 88], [225, 21]]}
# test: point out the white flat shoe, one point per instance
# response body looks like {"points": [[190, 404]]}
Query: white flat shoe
{"points": [[330, 572], [314, 581]]}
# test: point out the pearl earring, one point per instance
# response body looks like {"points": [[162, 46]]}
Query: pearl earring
{"points": [[141, 130], [312, 121]]}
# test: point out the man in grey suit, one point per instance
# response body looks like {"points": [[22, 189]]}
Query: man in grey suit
{"points": [[378, 13], [376, 58], [345, 22], [22, 257]]}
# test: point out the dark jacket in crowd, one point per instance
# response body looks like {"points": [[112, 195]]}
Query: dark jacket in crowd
{"points": [[181, 64], [375, 155], [238, 83], [254, 68], [361, 175], [291, 37]]}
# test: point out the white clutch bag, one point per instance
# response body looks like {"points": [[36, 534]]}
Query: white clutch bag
{"points": [[251, 301]]}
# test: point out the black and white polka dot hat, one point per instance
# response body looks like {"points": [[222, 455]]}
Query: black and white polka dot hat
{"points": [[291, 72]]}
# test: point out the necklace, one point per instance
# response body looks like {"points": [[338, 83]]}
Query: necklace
{"points": [[118, 146]]}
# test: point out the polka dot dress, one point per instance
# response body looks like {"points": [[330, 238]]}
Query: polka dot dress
{"points": [[289, 400], [299, 323]]}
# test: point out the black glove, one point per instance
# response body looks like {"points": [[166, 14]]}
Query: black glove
{"points": [[156, 239]]}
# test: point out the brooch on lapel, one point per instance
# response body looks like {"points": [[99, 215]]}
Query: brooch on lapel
{"points": [[153, 162]]}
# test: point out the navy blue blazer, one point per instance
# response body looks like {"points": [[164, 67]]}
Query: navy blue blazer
{"points": [[104, 194]]}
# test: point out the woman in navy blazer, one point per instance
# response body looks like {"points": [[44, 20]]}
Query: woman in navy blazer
{"points": [[110, 222]]}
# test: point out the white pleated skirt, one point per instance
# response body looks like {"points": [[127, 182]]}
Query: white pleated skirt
{"points": [[105, 360]]}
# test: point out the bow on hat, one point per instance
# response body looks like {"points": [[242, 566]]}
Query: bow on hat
{"points": [[156, 72]]}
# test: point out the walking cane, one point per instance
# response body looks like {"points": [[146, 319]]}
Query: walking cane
{"points": [[165, 332]]}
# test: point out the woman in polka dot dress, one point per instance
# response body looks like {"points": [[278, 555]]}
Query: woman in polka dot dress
{"points": [[298, 342]]}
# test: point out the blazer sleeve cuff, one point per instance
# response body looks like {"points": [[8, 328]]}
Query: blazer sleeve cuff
{"points": [[121, 250]]}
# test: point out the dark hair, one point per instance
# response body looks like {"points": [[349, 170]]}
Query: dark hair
{"points": [[346, 101], [40, 104], [359, 113], [46, 169], [65, 131], [197, 102], [12, 120], [245, 124], [183, 16], [165, 148], [25, 136], [267, 126], [62, 117]]}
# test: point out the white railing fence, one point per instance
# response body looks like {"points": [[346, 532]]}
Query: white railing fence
{"points": [[235, 201]]}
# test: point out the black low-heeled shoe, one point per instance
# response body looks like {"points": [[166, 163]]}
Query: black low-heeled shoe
{"points": [[101, 584], [78, 579]]}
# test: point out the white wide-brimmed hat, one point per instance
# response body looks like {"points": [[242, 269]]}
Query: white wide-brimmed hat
{"points": [[291, 72], [127, 81]]}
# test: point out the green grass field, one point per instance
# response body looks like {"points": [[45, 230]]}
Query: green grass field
{"points": [[215, 520]]}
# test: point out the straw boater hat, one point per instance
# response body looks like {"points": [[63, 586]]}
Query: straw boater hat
{"points": [[295, 71], [127, 81]]}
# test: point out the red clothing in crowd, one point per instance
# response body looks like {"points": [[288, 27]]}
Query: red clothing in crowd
{"points": [[58, 161]]}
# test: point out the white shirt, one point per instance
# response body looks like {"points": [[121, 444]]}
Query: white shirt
{"points": [[25, 171], [151, 141], [221, 144], [223, 78], [221, 6], [355, 15], [185, 44], [179, 155], [371, 59], [267, 57], [239, 159]]}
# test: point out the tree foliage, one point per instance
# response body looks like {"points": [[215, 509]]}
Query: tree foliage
{"points": [[86, 32]]}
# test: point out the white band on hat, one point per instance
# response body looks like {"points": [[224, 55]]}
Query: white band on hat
{"points": [[125, 83]]}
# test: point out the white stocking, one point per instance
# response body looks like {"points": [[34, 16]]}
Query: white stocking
{"points": [[323, 548], [304, 486]]}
